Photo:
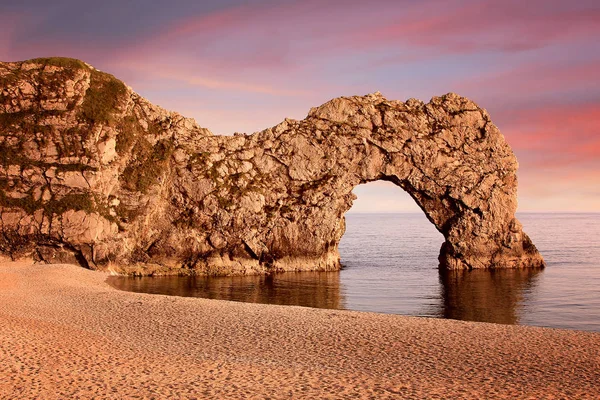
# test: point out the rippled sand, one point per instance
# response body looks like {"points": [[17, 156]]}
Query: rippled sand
{"points": [[65, 333]]}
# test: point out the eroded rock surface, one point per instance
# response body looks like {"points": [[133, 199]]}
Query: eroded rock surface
{"points": [[92, 172]]}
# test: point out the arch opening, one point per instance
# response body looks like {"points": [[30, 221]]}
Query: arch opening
{"points": [[389, 253], [389, 256]]}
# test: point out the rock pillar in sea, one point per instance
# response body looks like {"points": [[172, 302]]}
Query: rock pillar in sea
{"points": [[90, 172]]}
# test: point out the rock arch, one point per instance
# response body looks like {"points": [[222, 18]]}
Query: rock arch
{"points": [[132, 187]]}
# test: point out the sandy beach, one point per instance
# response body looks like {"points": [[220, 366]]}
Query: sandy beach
{"points": [[65, 333]]}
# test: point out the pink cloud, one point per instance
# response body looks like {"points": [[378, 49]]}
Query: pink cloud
{"points": [[553, 125], [228, 49], [251, 36], [191, 76], [558, 142], [551, 185], [270, 44], [537, 78], [466, 27]]}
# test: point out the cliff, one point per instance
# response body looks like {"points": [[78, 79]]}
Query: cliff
{"points": [[91, 172]]}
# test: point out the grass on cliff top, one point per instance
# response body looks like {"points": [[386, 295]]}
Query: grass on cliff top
{"points": [[69, 65], [62, 62], [102, 97]]}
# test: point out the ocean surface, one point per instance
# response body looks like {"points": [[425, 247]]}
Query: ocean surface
{"points": [[390, 266]]}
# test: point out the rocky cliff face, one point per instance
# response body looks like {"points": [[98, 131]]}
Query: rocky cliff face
{"points": [[91, 172]]}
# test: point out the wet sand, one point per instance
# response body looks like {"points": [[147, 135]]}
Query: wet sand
{"points": [[65, 333]]}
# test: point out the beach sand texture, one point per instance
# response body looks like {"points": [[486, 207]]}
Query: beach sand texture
{"points": [[65, 333]]}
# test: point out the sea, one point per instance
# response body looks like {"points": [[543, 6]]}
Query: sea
{"points": [[391, 266]]}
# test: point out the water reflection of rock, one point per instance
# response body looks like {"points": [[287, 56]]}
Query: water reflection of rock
{"points": [[308, 289], [486, 295]]}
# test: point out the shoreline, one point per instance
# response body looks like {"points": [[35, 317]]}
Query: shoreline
{"points": [[66, 332]]}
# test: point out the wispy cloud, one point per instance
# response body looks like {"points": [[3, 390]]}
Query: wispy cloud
{"points": [[459, 27], [536, 78], [195, 77], [555, 136]]}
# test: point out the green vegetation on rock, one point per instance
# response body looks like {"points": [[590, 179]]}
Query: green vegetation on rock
{"points": [[151, 163], [102, 98], [63, 62], [72, 201], [129, 132]]}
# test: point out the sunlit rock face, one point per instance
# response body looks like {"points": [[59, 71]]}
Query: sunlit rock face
{"points": [[90, 172]]}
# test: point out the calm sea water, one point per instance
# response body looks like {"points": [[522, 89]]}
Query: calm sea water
{"points": [[390, 266]]}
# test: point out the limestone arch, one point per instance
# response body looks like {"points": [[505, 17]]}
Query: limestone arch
{"points": [[447, 155], [153, 190], [390, 218]]}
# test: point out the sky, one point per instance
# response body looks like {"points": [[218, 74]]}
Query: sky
{"points": [[243, 66]]}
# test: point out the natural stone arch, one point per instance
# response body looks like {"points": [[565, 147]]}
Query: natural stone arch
{"points": [[447, 155], [141, 186]]}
